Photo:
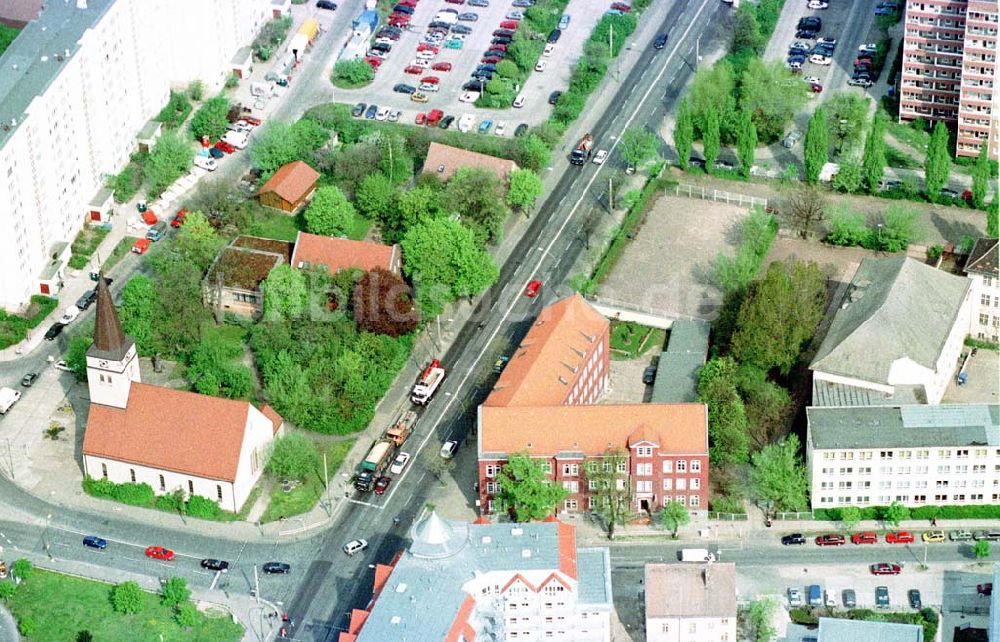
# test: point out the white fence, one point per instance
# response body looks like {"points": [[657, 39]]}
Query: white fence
{"points": [[706, 194]]}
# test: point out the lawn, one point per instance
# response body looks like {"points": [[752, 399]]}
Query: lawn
{"points": [[303, 497], [120, 252], [62, 606], [275, 225], [7, 35], [631, 340], [896, 158]]}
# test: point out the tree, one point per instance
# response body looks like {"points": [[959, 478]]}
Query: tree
{"points": [[349, 74], [981, 549], [7, 590], [197, 241], [196, 90], [714, 87], [816, 146], [445, 262], [937, 163], [981, 177], [411, 208], [610, 488], [375, 195], [873, 160], [383, 304], [284, 292], [746, 142], [805, 207], [532, 153], [850, 516], [901, 226], [215, 368], [187, 615], [393, 158], [22, 569], [778, 475], [673, 516], [506, 69], [476, 196], [894, 513], [170, 159], [992, 224], [746, 31], [637, 146], [526, 491], [773, 95], [683, 134], [176, 591], [27, 626], [760, 617], [710, 138], [329, 213], [525, 186], [727, 421], [140, 306], [847, 115], [127, 598], [279, 143], [847, 227], [780, 315], [768, 405], [293, 457], [848, 177], [211, 119]]}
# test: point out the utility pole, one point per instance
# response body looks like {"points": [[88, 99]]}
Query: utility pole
{"points": [[611, 196], [256, 584], [326, 483]]}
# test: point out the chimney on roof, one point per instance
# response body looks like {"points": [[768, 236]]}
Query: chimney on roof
{"points": [[579, 353], [563, 381], [571, 368]]}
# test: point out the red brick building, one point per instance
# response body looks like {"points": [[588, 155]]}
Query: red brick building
{"points": [[545, 404]]}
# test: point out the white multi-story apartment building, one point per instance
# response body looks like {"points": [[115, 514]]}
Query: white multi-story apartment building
{"points": [[915, 455], [691, 602], [472, 582], [982, 268], [76, 86]]}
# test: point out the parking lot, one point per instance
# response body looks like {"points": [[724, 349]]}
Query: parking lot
{"points": [[584, 15]]}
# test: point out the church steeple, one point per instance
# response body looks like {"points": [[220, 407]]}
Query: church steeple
{"points": [[112, 361]]}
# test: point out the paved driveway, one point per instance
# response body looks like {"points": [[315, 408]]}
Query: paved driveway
{"points": [[584, 16]]}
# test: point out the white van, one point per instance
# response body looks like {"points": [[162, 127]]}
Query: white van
{"points": [[446, 17], [238, 140], [466, 122]]}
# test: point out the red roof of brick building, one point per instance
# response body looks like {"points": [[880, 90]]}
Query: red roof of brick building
{"points": [[292, 181], [444, 160], [548, 361], [312, 251]]}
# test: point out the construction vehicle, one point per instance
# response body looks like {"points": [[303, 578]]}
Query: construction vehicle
{"points": [[374, 464], [581, 153], [402, 428], [429, 382]]}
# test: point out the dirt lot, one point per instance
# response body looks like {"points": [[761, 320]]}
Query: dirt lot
{"points": [[837, 263], [668, 266]]}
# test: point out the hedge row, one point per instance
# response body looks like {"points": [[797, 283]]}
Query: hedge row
{"points": [[14, 328], [142, 495], [982, 511]]}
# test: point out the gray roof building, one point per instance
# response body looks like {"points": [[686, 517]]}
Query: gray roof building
{"points": [[451, 583], [836, 630], [904, 426], [677, 372], [983, 258], [896, 310], [691, 590]]}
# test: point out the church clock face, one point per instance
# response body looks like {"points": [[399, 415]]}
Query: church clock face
{"points": [[103, 364]]}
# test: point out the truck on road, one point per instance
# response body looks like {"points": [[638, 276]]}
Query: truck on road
{"points": [[581, 152], [374, 464], [8, 397], [430, 381], [695, 555], [402, 428]]}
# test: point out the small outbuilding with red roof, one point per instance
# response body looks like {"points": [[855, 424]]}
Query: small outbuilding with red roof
{"points": [[290, 187]]}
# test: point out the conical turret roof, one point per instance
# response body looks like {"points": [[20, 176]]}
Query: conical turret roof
{"points": [[110, 341], [434, 537]]}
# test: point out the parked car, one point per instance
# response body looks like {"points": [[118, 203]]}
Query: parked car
{"points": [[794, 538], [882, 597], [381, 485], [649, 375], [621, 6], [541, 65], [479, 3], [448, 449], [885, 568], [93, 541], [484, 126], [63, 366], [899, 537], [326, 4], [420, 119], [860, 81], [914, 597], [371, 112], [791, 139], [831, 539], [277, 568], [817, 4], [794, 597], [87, 299], [69, 315], [54, 331], [850, 598], [818, 59], [554, 97], [660, 42], [446, 122], [419, 97], [215, 565], [468, 17], [223, 146], [178, 218], [985, 589], [521, 130], [159, 553], [206, 163], [563, 22], [806, 34], [399, 463], [867, 537], [501, 128], [554, 36], [29, 379], [532, 289], [933, 536], [441, 66], [600, 156], [960, 536], [799, 48]]}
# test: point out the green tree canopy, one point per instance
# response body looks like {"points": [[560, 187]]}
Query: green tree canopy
{"points": [[873, 161], [778, 474], [279, 143], [710, 138], [294, 456], [714, 87], [637, 146], [329, 213], [170, 159], [848, 177], [22, 569], [526, 490], [981, 549], [197, 241], [610, 488], [673, 516], [211, 119], [412, 207], [525, 186], [746, 142], [445, 262], [847, 116], [895, 513], [375, 196], [127, 598], [140, 307], [746, 30], [684, 133], [900, 227], [727, 421], [285, 293], [349, 74], [476, 196], [850, 516], [816, 145], [187, 615], [773, 95], [981, 177], [176, 591], [532, 153], [937, 163]]}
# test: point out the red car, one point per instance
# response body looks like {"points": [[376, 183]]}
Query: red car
{"points": [[159, 553], [867, 537], [408, 3], [489, 60], [381, 485], [430, 80], [816, 88], [421, 118], [509, 24], [532, 289], [499, 47], [178, 218], [413, 69], [621, 6], [398, 20], [830, 540], [899, 537], [885, 569], [250, 120], [426, 46], [441, 66], [374, 61], [455, 1], [223, 146]]}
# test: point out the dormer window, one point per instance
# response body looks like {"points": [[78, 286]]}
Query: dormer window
{"points": [[644, 451]]}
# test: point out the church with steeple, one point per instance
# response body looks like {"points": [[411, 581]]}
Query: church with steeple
{"points": [[170, 439]]}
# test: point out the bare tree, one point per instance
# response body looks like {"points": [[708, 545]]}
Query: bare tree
{"points": [[610, 488], [804, 207]]}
